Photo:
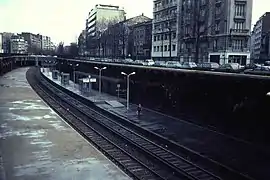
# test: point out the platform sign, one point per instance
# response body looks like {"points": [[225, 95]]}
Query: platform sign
{"points": [[93, 80]]}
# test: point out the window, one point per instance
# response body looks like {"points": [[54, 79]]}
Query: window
{"points": [[165, 48], [187, 30], [239, 9], [155, 38], [238, 44], [202, 12], [169, 47], [158, 37], [157, 48], [218, 10], [239, 25], [166, 36], [174, 47], [217, 27], [174, 35]]}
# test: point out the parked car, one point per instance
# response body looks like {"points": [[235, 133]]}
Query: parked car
{"points": [[173, 64], [149, 62], [230, 67], [160, 63], [138, 62], [189, 65], [208, 66], [128, 61]]}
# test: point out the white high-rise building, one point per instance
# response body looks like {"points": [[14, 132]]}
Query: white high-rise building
{"points": [[98, 20]]}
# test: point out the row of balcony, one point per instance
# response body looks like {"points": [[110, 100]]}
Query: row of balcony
{"points": [[156, 31], [237, 32], [162, 7], [165, 18]]}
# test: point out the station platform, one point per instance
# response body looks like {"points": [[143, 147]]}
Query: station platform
{"points": [[235, 153], [35, 143]]}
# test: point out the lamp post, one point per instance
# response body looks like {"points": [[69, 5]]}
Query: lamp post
{"points": [[225, 40], [128, 75], [100, 69], [89, 77], [170, 42], [74, 66]]}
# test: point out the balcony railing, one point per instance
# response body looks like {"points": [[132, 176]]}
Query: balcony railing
{"points": [[173, 4], [239, 17], [239, 32], [166, 18], [164, 30]]}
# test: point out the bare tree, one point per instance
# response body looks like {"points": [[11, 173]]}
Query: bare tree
{"points": [[73, 49], [60, 49], [110, 37], [202, 13]]}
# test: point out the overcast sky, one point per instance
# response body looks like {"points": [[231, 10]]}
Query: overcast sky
{"points": [[63, 20]]}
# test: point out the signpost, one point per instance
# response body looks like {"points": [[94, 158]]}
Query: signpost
{"points": [[118, 91]]}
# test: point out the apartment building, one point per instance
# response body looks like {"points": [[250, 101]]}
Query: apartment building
{"points": [[117, 41], [165, 29], [98, 20], [202, 30], [1, 43], [18, 45], [6, 36], [260, 38], [142, 40], [231, 34], [33, 40], [45, 43]]}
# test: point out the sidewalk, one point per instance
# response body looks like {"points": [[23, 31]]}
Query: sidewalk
{"points": [[235, 153]]}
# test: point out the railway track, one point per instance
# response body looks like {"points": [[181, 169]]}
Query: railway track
{"points": [[176, 167], [131, 164]]}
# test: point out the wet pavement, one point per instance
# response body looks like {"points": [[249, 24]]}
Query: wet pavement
{"points": [[35, 143], [242, 156]]}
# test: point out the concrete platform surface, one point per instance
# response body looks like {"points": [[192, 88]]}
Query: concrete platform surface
{"points": [[35, 143]]}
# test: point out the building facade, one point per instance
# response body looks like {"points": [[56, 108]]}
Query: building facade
{"points": [[33, 40], [205, 30], [98, 20], [1, 44], [6, 36], [165, 29], [142, 40], [117, 40], [45, 43], [260, 35], [18, 45]]}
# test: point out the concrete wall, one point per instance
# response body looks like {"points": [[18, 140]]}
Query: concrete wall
{"points": [[218, 100]]}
